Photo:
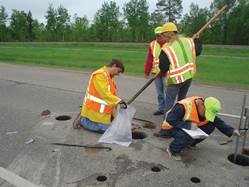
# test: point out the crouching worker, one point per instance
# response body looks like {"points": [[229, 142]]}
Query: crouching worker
{"points": [[101, 100], [191, 113]]}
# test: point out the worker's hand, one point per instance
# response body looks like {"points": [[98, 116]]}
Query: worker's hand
{"points": [[196, 36], [123, 104], [146, 76], [236, 133], [193, 126]]}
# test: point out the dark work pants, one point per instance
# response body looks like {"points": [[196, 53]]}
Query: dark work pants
{"points": [[173, 90], [182, 139]]}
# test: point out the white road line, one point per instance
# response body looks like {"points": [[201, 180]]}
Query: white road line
{"points": [[14, 179], [230, 115]]}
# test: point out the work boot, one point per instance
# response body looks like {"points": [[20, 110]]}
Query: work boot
{"points": [[175, 156], [157, 113], [76, 122]]}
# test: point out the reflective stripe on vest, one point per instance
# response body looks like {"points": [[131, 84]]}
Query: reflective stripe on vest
{"points": [[181, 54], [93, 100], [155, 49], [97, 100]]}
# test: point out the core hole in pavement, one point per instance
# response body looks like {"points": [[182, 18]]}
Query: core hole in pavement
{"points": [[63, 118], [195, 180], [101, 178], [241, 160], [138, 135], [155, 169]]}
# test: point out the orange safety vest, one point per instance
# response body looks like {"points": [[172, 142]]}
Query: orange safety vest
{"points": [[191, 113], [92, 98]]}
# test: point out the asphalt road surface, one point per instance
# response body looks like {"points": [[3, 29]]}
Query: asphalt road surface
{"points": [[28, 158]]}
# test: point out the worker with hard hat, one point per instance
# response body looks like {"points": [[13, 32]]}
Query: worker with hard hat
{"points": [[177, 59], [192, 113], [101, 100], [152, 67]]}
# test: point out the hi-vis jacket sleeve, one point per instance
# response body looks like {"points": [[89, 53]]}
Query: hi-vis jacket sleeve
{"points": [[101, 86]]}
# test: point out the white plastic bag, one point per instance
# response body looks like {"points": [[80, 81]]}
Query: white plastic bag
{"points": [[120, 130]]}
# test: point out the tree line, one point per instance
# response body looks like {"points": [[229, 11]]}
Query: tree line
{"points": [[132, 23]]}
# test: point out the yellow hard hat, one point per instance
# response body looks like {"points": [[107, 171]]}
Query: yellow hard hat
{"points": [[169, 27], [158, 30]]}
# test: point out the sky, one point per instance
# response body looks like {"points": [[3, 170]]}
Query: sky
{"points": [[82, 8]]}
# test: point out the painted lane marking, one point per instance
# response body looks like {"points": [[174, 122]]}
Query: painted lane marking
{"points": [[14, 179], [231, 115]]}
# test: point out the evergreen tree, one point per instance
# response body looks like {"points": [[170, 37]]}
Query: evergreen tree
{"points": [[238, 24], [136, 13], [62, 22], [171, 9], [30, 34], [80, 29], [218, 30], [194, 20], [51, 26], [3, 27], [19, 25]]}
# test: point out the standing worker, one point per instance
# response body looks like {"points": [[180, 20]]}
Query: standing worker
{"points": [[191, 113], [177, 59], [101, 100], [152, 66]]}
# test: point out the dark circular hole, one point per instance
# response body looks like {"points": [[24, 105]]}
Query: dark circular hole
{"points": [[155, 169], [138, 135], [195, 180], [63, 118], [240, 159], [101, 178]]}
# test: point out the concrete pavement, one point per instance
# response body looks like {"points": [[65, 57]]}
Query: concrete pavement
{"points": [[25, 91]]}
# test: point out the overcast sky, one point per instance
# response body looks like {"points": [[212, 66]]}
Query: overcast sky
{"points": [[88, 8]]}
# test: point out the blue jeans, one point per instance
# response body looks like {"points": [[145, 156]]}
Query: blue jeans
{"points": [[93, 126], [160, 89], [182, 139], [173, 90]]}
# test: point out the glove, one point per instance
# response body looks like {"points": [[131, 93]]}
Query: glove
{"points": [[236, 133], [193, 126], [123, 104]]}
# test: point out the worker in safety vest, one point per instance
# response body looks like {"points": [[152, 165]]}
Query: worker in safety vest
{"points": [[101, 100], [152, 66], [177, 59], [192, 113]]}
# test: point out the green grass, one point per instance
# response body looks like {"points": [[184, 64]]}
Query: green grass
{"points": [[226, 66]]}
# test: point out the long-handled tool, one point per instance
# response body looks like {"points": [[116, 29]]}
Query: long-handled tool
{"points": [[143, 88], [210, 21], [84, 146]]}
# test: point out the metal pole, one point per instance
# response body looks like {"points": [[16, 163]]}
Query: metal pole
{"points": [[246, 126], [240, 123]]}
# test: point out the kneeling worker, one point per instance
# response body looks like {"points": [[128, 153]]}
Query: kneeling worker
{"points": [[191, 113], [100, 102]]}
